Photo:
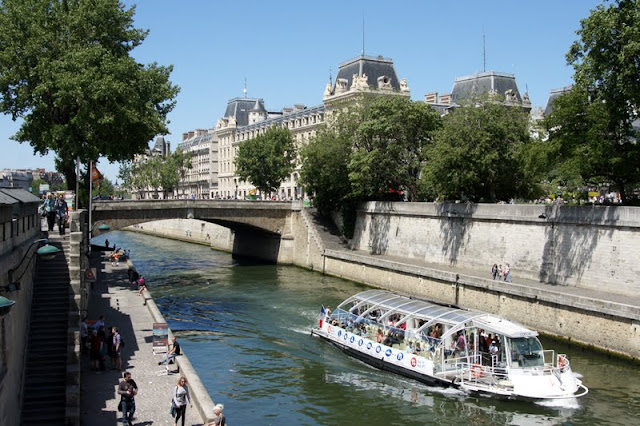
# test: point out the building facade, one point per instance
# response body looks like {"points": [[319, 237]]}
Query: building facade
{"points": [[246, 118], [201, 180]]}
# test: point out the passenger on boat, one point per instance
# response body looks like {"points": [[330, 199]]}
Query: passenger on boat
{"points": [[380, 336], [493, 348]]}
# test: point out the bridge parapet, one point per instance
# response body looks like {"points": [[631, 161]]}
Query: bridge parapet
{"points": [[266, 216]]}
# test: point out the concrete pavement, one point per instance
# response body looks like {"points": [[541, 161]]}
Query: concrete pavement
{"points": [[115, 298]]}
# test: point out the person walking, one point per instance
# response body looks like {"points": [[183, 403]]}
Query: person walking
{"points": [[494, 271], [180, 397], [62, 213], [116, 356], [49, 211], [507, 273], [127, 389]]}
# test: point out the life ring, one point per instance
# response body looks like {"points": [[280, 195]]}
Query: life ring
{"points": [[562, 362], [477, 371]]}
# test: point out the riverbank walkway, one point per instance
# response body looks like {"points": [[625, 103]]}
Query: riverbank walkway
{"points": [[118, 300], [600, 300]]}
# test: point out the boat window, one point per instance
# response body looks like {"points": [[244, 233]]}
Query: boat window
{"points": [[526, 352]]}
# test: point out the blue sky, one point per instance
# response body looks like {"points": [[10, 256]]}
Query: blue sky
{"points": [[286, 50]]}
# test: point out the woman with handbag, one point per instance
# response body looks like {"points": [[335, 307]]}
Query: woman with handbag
{"points": [[180, 397], [49, 211]]}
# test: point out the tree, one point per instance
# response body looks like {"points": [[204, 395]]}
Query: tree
{"points": [[592, 125], [103, 189], [478, 154], [389, 147], [605, 58], [173, 170], [156, 173], [66, 71], [588, 142], [267, 159], [35, 186]]}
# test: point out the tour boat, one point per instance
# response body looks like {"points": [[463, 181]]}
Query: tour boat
{"points": [[437, 344]]}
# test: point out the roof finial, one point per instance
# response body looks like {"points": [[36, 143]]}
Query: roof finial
{"points": [[245, 87], [330, 77]]}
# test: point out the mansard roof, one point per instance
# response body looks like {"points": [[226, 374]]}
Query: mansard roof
{"points": [[239, 109], [485, 82], [373, 67], [553, 95]]}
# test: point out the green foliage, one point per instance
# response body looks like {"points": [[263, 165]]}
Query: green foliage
{"points": [[479, 154], [66, 70], [390, 146], [591, 126], [267, 159], [605, 58], [156, 173], [35, 186], [104, 188], [588, 144], [325, 169]]}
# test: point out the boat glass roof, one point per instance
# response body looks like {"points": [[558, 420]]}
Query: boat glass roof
{"points": [[452, 316]]}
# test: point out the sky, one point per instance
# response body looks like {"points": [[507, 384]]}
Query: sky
{"points": [[287, 50]]}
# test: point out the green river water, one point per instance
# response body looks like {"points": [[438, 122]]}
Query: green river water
{"points": [[246, 329]]}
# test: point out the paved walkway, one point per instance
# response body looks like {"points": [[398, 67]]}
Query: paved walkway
{"points": [[331, 240], [119, 302]]}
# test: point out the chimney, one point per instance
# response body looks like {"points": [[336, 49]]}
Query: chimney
{"points": [[191, 133], [431, 98], [286, 110], [299, 107], [185, 135], [445, 99]]}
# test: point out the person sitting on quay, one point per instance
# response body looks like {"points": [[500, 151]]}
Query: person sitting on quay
{"points": [[174, 352], [218, 418]]}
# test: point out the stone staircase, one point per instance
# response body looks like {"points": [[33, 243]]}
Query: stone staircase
{"points": [[45, 383]]}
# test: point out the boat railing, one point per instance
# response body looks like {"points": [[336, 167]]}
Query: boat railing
{"points": [[483, 376]]}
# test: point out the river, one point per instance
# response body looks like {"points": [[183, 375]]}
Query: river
{"points": [[246, 330]]}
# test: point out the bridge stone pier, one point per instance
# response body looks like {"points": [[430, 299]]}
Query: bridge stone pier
{"points": [[260, 229]]}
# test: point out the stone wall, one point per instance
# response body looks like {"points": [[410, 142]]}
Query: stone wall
{"points": [[189, 230], [608, 326], [19, 232], [585, 247]]}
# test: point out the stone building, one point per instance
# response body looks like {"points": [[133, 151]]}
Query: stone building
{"points": [[246, 118], [162, 148], [490, 82], [201, 180]]}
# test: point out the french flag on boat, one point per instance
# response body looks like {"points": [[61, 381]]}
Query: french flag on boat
{"points": [[324, 312]]}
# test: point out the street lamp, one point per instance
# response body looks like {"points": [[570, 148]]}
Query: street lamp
{"points": [[46, 252]]}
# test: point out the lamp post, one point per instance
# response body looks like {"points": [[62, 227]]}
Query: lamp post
{"points": [[45, 252]]}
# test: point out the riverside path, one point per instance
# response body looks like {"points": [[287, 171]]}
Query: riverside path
{"points": [[115, 298]]}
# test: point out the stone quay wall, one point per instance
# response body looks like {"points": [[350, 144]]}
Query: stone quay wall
{"points": [[584, 247], [569, 247]]}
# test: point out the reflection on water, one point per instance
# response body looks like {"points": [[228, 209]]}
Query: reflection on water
{"points": [[245, 328]]}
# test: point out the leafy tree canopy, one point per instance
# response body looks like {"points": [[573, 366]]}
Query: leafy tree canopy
{"points": [[267, 159], [66, 70], [156, 173], [606, 58], [478, 154], [592, 133], [389, 146]]}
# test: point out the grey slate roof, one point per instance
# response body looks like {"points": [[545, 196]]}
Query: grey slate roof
{"points": [[239, 108], [373, 67], [477, 84], [553, 95], [6, 199], [20, 195]]}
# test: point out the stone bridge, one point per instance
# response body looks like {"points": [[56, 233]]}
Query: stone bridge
{"points": [[270, 217], [259, 229]]}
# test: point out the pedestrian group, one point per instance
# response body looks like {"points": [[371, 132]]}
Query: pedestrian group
{"points": [[501, 273]]}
